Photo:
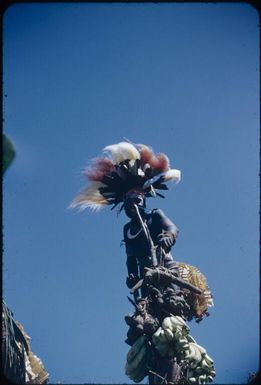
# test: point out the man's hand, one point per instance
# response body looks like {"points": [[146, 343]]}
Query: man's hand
{"points": [[166, 240], [131, 280]]}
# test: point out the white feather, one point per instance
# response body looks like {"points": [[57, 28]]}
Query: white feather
{"points": [[87, 205], [173, 175], [170, 175], [122, 151], [90, 198]]}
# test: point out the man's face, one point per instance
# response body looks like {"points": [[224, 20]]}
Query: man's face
{"points": [[133, 198]]}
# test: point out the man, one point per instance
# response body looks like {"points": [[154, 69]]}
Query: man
{"points": [[139, 251]]}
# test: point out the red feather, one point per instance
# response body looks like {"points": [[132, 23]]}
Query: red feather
{"points": [[146, 154], [159, 163], [99, 168]]}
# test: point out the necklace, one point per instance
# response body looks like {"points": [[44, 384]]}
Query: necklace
{"points": [[130, 236]]}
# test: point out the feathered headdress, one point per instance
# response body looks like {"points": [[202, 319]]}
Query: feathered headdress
{"points": [[124, 167]]}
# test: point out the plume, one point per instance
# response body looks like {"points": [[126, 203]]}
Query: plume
{"points": [[99, 168], [172, 175], [90, 197], [122, 151], [124, 166], [159, 163]]}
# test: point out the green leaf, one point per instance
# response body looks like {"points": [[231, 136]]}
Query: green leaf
{"points": [[8, 152]]}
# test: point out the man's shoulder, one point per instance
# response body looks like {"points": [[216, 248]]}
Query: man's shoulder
{"points": [[157, 213], [155, 216]]}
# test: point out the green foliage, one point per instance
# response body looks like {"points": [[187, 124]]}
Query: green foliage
{"points": [[8, 152], [253, 378]]}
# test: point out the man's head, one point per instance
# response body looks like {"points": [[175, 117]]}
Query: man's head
{"points": [[134, 197]]}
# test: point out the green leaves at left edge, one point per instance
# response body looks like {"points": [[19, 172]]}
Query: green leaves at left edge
{"points": [[8, 152]]}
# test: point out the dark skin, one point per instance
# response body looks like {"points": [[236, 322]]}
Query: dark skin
{"points": [[135, 226], [130, 210], [162, 231]]}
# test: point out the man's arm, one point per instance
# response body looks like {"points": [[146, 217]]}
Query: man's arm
{"points": [[168, 230]]}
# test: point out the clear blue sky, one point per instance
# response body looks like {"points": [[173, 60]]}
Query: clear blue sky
{"points": [[182, 78]]}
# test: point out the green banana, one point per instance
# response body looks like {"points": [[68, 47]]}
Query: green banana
{"points": [[176, 323], [177, 335], [181, 320], [132, 365], [163, 338], [139, 374], [189, 354], [136, 347], [157, 332], [202, 379], [162, 349], [193, 364], [198, 370], [191, 339], [166, 323], [159, 336], [195, 354], [182, 344], [209, 359], [173, 339], [204, 364], [169, 335], [140, 371], [201, 349], [139, 377]]}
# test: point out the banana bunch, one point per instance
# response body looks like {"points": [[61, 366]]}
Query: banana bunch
{"points": [[137, 359], [171, 337], [201, 369]]}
